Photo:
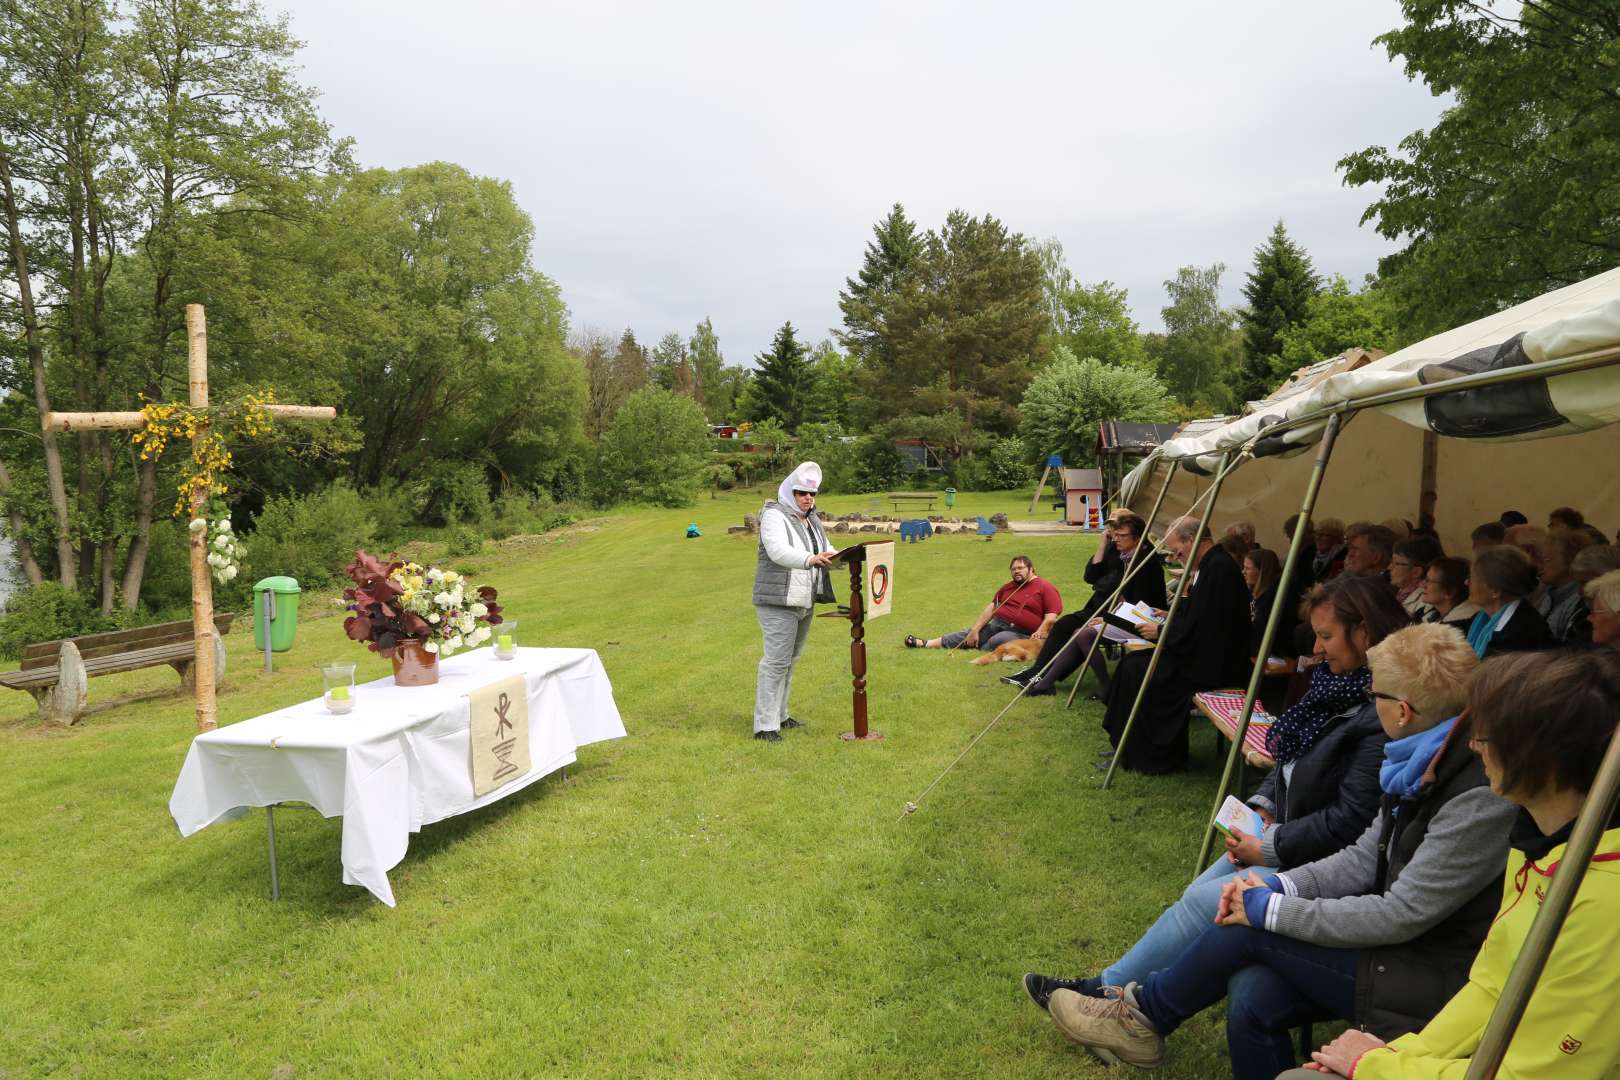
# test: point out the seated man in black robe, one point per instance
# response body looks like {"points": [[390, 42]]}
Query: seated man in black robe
{"points": [[1206, 648]]}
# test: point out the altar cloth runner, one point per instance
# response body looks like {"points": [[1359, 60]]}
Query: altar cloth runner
{"points": [[400, 760]]}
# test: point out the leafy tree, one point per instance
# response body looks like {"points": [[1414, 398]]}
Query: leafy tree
{"points": [[632, 367], [667, 360], [1198, 356], [1512, 192], [1011, 464], [1279, 290], [654, 451], [1091, 320], [866, 298], [1069, 397], [834, 394], [1338, 319], [782, 381], [964, 330], [717, 395], [773, 439]]}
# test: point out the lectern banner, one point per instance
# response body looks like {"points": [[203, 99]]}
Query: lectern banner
{"points": [[877, 585]]}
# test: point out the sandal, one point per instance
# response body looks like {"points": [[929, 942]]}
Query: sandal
{"points": [[914, 642]]}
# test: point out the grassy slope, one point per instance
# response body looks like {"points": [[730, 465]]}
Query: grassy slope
{"points": [[686, 902]]}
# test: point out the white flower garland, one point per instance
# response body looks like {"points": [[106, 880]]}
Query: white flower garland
{"points": [[225, 551]]}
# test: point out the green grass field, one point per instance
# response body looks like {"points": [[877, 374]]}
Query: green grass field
{"points": [[687, 902]]}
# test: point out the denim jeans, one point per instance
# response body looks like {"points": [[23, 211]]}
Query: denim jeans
{"points": [[995, 632], [1177, 928], [1273, 983]]}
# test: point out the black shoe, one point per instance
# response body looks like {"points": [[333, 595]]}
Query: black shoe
{"points": [[1019, 678], [767, 736], [791, 723], [1040, 987], [1040, 688]]}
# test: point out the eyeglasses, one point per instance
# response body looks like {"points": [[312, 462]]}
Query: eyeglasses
{"points": [[1379, 695]]}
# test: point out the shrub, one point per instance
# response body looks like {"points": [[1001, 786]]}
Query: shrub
{"points": [[971, 474], [516, 512], [452, 492], [45, 612], [309, 537], [878, 465], [392, 506], [464, 540], [1068, 397], [653, 450], [1009, 465]]}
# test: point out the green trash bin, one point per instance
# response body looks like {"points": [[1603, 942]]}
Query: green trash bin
{"points": [[281, 616], [950, 497]]}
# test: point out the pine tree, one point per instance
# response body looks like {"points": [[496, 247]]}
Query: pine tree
{"points": [[865, 300], [783, 381], [1279, 290]]}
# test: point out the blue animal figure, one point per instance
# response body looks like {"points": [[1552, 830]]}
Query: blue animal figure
{"points": [[692, 531], [986, 530], [916, 529]]}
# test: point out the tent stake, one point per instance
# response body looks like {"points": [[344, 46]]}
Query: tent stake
{"points": [[1290, 564]]}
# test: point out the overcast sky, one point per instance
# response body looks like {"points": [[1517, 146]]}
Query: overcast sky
{"points": [[728, 159]]}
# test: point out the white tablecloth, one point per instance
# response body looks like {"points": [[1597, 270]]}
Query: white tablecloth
{"points": [[400, 760]]}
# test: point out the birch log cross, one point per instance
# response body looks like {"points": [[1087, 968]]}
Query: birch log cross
{"points": [[202, 591]]}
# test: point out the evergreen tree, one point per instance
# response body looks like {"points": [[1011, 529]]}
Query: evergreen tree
{"points": [[707, 362], [783, 380], [631, 368], [1279, 290], [666, 360], [865, 300]]}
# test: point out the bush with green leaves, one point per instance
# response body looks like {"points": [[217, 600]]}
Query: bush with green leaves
{"points": [[653, 451], [1009, 465], [393, 506], [309, 537], [877, 466], [452, 493], [46, 612], [1068, 399], [464, 540], [823, 443]]}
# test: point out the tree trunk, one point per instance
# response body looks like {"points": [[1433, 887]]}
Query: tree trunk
{"points": [[141, 544], [19, 538], [36, 360]]}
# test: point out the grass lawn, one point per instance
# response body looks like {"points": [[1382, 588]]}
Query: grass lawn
{"points": [[686, 902]]}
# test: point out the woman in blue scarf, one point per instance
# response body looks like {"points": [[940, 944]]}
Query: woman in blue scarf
{"points": [[1503, 578], [1323, 792]]}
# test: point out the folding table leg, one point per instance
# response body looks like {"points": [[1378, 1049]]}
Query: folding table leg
{"points": [[270, 829]]}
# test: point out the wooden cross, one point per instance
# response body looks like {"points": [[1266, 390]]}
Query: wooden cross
{"points": [[202, 591]]}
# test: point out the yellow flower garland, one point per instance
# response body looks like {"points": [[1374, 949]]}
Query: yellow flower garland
{"points": [[210, 460]]}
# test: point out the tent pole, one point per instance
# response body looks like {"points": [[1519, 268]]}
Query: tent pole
{"points": [[1108, 605], [1594, 817], [1187, 569], [1290, 564]]}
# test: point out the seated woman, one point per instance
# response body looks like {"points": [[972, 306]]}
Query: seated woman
{"points": [[1445, 593], [1381, 933], [1589, 564], [1068, 645], [1320, 797], [1262, 573], [1560, 602], [1603, 610], [1502, 581], [1568, 1029], [1408, 567]]}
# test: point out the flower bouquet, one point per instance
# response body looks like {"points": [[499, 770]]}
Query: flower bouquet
{"points": [[401, 607]]}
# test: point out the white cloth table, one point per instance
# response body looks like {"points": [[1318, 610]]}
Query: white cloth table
{"points": [[400, 760]]}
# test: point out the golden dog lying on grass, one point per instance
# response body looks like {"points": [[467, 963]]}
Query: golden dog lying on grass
{"points": [[1021, 651]]}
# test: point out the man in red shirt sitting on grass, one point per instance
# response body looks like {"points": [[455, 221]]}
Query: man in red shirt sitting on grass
{"points": [[1026, 606]]}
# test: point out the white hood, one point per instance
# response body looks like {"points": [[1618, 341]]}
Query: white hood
{"points": [[807, 477]]}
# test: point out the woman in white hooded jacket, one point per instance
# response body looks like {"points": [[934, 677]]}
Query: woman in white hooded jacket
{"points": [[793, 558]]}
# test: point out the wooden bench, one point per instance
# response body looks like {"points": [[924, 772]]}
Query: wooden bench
{"points": [[57, 672], [898, 497]]}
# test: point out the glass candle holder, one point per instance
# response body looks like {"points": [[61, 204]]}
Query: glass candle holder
{"points": [[339, 681], [505, 639]]}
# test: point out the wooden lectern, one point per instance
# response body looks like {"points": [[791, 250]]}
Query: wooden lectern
{"points": [[855, 556]]}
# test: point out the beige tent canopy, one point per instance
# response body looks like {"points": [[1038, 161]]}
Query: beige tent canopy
{"points": [[1463, 456]]}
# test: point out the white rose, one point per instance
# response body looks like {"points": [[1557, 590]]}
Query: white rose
{"points": [[454, 642], [478, 611], [442, 599], [433, 617], [465, 625], [224, 524], [230, 573], [222, 542], [215, 559], [431, 646], [198, 524], [480, 635]]}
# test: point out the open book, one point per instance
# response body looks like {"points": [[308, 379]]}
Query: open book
{"points": [[1237, 815], [1131, 615]]}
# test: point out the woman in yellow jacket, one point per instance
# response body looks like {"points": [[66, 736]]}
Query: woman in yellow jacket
{"points": [[1541, 722]]}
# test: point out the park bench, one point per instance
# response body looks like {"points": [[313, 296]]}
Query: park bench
{"points": [[56, 672], [898, 497]]}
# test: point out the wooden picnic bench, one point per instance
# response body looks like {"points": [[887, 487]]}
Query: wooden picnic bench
{"points": [[57, 672], [898, 497]]}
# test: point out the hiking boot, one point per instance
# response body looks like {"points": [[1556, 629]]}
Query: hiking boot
{"points": [[1111, 1027], [768, 736], [1040, 987], [791, 723]]}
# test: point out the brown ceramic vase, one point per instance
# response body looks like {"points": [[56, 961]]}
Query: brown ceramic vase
{"points": [[414, 665]]}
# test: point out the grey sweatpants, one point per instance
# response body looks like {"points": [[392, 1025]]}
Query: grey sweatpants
{"points": [[785, 630]]}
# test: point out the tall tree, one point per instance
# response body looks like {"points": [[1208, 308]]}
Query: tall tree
{"points": [[707, 363], [1069, 397], [665, 360], [782, 381], [866, 298], [964, 332], [1090, 320], [1512, 192], [632, 367], [1200, 351], [1279, 290], [1339, 319]]}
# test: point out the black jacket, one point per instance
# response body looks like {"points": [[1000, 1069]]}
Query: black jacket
{"points": [[1526, 631], [1207, 646], [1334, 793], [1282, 643], [1400, 987]]}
